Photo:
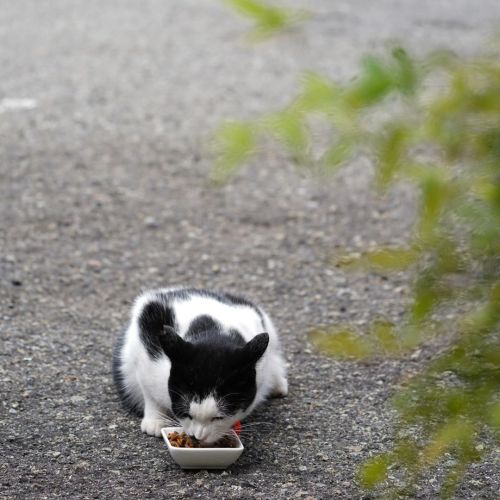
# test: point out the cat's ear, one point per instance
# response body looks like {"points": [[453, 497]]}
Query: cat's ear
{"points": [[255, 348], [174, 346], [157, 332]]}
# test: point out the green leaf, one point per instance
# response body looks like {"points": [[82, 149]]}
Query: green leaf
{"points": [[411, 335], [268, 19], [338, 154], [385, 334], [391, 152], [428, 293], [494, 416], [342, 342], [456, 432], [406, 450], [435, 194], [289, 128], [407, 77], [381, 259], [375, 470], [234, 143], [318, 94], [452, 480], [375, 83]]}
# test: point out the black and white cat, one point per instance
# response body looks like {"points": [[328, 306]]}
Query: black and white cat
{"points": [[206, 358]]}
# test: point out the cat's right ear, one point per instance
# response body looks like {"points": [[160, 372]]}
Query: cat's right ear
{"points": [[157, 332]]}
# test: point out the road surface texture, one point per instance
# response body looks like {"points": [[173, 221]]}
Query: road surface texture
{"points": [[106, 114]]}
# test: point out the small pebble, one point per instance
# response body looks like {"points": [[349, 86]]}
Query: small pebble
{"points": [[94, 264], [151, 223]]}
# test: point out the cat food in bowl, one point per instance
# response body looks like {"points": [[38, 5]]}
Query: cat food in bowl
{"points": [[190, 455]]}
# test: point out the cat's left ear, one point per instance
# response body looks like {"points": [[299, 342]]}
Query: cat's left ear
{"points": [[174, 346], [255, 348]]}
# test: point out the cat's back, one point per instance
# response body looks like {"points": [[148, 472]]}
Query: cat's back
{"points": [[186, 306]]}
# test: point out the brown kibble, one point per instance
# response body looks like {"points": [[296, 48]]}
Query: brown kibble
{"points": [[182, 440]]}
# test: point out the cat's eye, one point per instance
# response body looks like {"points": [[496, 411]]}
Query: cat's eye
{"points": [[217, 418], [187, 415]]}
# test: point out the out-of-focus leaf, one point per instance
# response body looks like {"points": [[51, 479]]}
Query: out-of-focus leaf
{"points": [[454, 433], [486, 190], [413, 335], [391, 152], [338, 154], [495, 297], [342, 342], [406, 73], [451, 480], [494, 416], [381, 259], [441, 60], [268, 19], [435, 193], [318, 94], [374, 471], [375, 83], [456, 402], [234, 143], [429, 291], [289, 128], [392, 258], [386, 337], [482, 224], [407, 451]]}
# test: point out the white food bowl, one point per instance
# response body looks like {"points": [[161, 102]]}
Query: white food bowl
{"points": [[202, 458]]}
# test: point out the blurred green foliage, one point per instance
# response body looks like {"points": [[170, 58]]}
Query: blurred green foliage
{"points": [[267, 20], [434, 123]]}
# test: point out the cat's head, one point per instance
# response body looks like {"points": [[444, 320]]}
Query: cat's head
{"points": [[211, 384]]}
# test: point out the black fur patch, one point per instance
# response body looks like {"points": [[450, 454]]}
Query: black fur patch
{"points": [[119, 381], [202, 326], [218, 364], [237, 337], [152, 321]]}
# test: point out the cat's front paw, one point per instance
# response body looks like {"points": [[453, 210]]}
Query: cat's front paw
{"points": [[280, 390], [152, 426]]}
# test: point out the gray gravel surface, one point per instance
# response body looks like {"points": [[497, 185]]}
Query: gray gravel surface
{"points": [[103, 193]]}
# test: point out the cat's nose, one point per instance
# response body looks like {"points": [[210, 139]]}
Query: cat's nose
{"points": [[199, 436]]}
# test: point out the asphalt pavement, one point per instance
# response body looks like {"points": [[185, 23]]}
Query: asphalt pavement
{"points": [[106, 115]]}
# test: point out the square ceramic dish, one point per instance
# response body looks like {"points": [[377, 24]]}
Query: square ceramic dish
{"points": [[202, 458]]}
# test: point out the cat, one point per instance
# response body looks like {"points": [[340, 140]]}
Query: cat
{"points": [[205, 358]]}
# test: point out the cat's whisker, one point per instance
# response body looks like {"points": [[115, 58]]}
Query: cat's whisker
{"points": [[168, 418], [244, 434], [256, 424], [183, 397], [231, 394], [169, 422], [248, 430]]}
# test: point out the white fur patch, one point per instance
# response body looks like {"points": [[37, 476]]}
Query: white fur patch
{"points": [[202, 425], [205, 410]]}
